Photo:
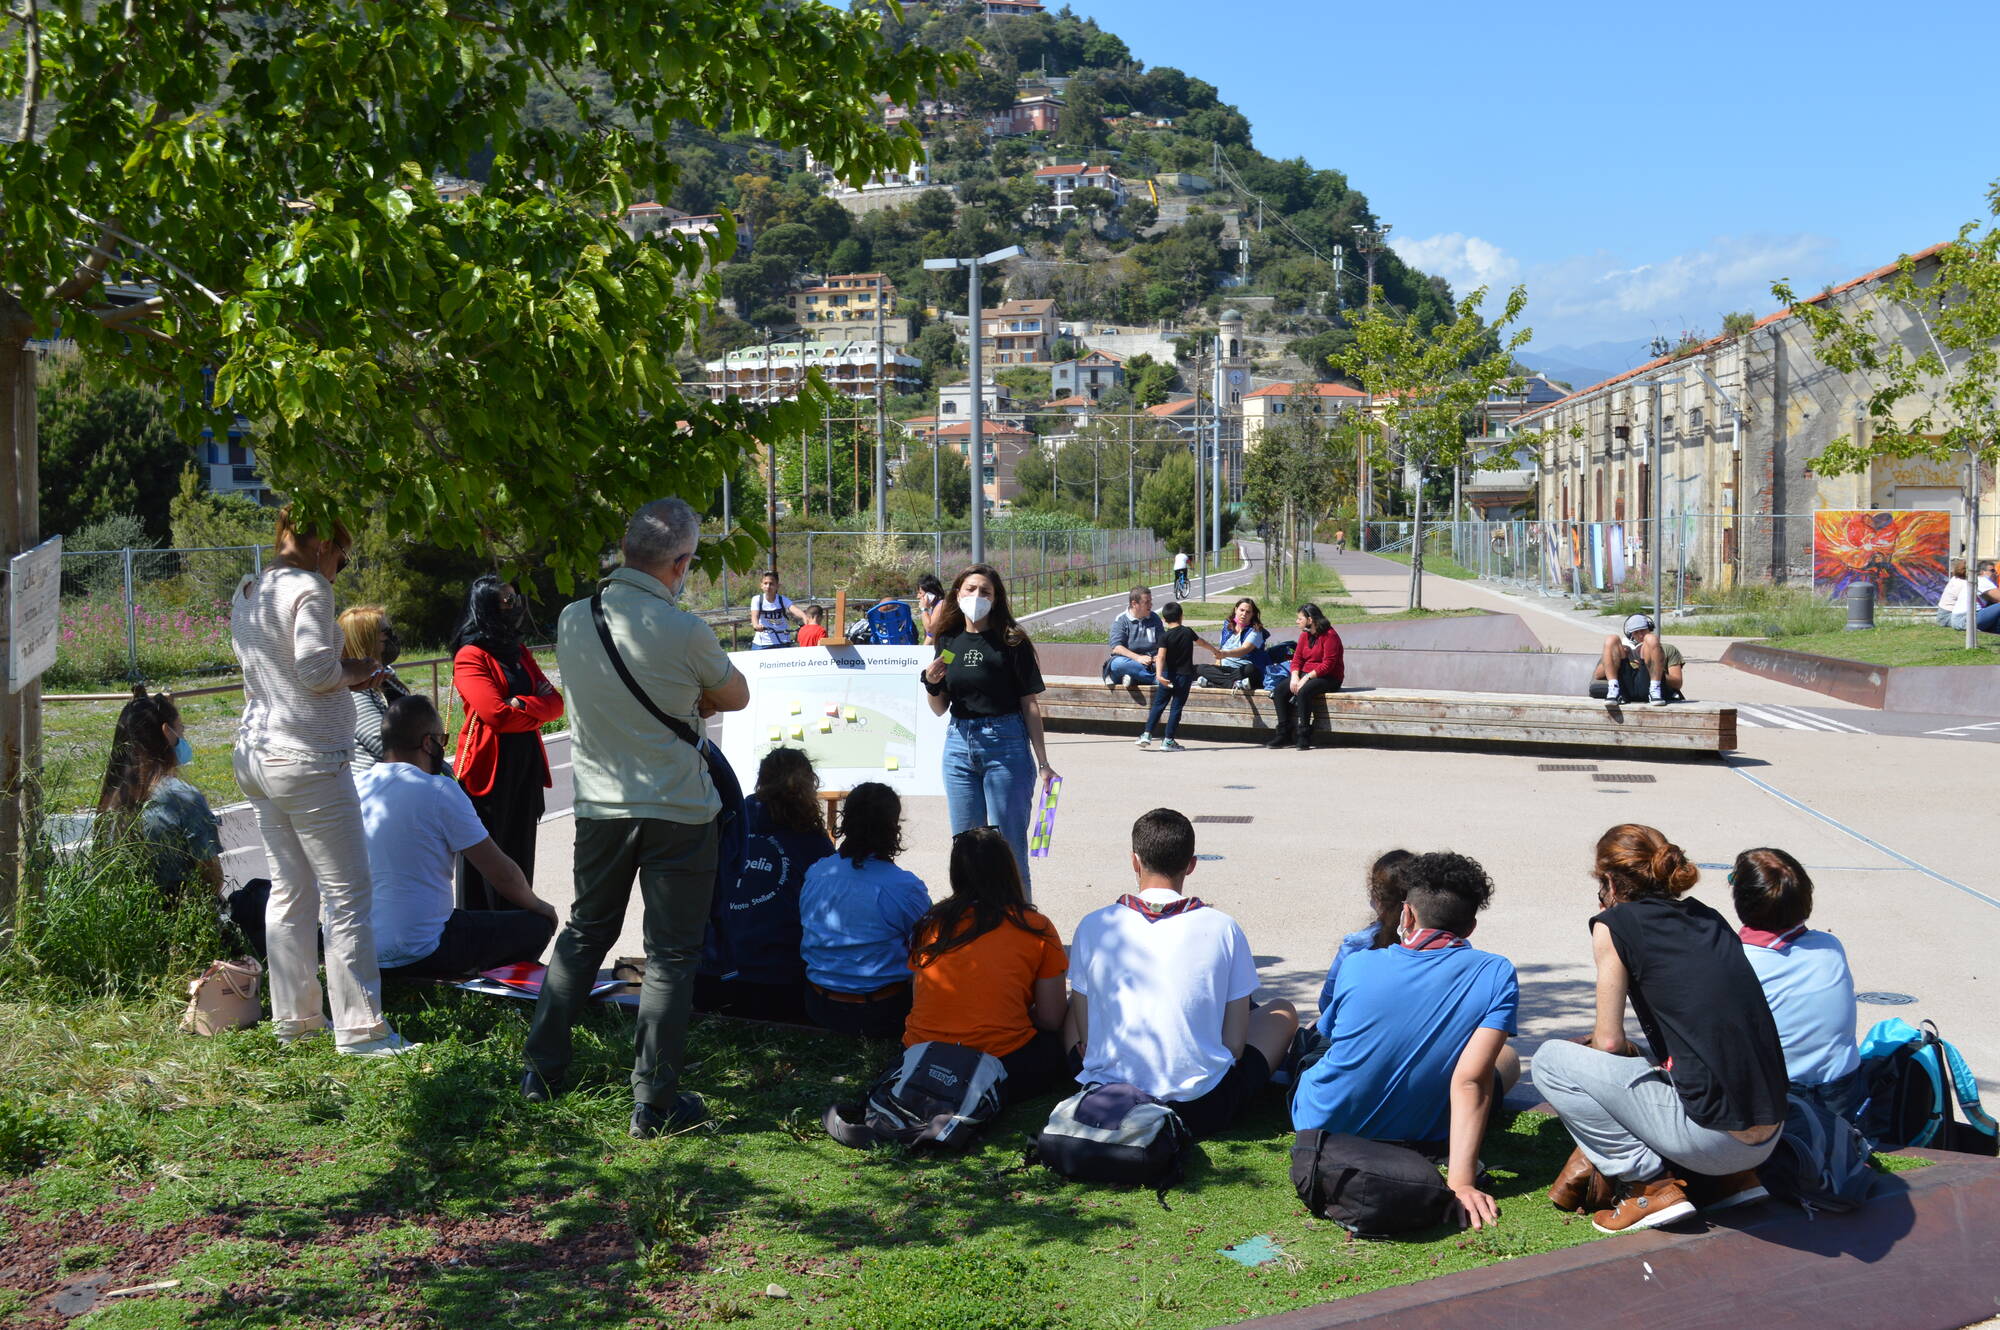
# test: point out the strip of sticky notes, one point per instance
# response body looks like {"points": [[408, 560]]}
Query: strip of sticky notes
{"points": [[1045, 820]]}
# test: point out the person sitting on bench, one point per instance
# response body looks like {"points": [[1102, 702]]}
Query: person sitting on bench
{"points": [[1418, 1031], [1637, 664]]}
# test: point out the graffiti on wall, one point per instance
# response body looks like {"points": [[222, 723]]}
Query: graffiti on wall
{"points": [[1903, 553]]}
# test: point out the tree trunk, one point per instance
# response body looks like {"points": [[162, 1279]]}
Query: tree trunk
{"points": [[1417, 545], [20, 520]]}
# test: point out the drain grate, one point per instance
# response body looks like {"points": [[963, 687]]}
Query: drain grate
{"points": [[1237, 818], [1208, 858], [1883, 999], [1565, 766], [1239, 787], [1621, 778]]}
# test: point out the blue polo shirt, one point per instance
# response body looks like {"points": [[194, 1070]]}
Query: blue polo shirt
{"points": [[857, 922], [1811, 995], [1399, 1020]]}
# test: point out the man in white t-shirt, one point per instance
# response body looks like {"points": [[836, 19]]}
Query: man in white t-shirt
{"points": [[1951, 601], [1160, 990], [771, 614], [417, 821]]}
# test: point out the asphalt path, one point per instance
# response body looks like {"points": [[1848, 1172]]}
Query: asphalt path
{"points": [[1099, 611]]}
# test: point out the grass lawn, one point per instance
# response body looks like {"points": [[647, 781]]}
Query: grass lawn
{"points": [[292, 1187], [1912, 644], [1443, 565]]}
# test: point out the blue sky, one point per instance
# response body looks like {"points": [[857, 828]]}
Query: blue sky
{"points": [[1639, 170]]}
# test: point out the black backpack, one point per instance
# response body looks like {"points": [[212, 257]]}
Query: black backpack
{"points": [[1913, 1076], [1115, 1133], [939, 1094], [1373, 1189]]}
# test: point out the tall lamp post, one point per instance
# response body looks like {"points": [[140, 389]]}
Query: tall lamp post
{"points": [[976, 444]]}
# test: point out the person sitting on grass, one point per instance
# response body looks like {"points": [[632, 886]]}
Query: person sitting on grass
{"points": [[1951, 606], [752, 966], [1711, 1097], [1135, 640], [814, 631], [1636, 663], [144, 799], [1417, 1032], [1160, 990], [858, 909], [987, 971], [1805, 977], [1386, 893], [1173, 667], [416, 820]]}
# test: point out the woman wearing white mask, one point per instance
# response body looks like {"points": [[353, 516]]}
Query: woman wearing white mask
{"points": [[986, 674]]}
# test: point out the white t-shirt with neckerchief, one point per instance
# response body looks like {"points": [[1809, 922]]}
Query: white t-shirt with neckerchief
{"points": [[1156, 991]]}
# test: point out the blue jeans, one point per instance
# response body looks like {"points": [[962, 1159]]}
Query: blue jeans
{"points": [[1176, 687], [1123, 669], [989, 779], [1988, 619]]}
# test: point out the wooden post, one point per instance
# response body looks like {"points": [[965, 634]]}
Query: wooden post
{"points": [[837, 635], [20, 522]]}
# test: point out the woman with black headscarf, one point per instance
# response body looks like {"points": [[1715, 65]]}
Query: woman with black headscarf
{"points": [[500, 759]]}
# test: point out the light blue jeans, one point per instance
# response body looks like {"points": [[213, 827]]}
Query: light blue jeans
{"points": [[989, 779], [1125, 670]]}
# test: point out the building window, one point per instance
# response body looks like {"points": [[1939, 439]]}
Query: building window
{"points": [[1694, 418]]}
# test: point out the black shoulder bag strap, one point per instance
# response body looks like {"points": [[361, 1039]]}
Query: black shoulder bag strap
{"points": [[682, 730]]}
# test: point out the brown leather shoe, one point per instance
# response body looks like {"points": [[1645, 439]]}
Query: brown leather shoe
{"points": [[1719, 1193], [1645, 1205], [1580, 1188]]}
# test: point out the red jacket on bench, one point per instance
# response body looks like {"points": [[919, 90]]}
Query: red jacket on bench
{"points": [[1320, 655]]}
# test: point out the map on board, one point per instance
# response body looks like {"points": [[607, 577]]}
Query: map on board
{"points": [[860, 713]]}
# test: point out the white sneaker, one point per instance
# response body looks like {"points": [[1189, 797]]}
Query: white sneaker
{"points": [[1659, 698], [1611, 698], [388, 1046], [1145, 741], [1171, 746]]}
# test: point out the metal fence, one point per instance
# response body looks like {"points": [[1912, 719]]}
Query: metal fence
{"points": [[147, 613], [1703, 558]]}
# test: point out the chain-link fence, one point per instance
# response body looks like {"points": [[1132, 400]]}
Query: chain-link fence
{"points": [[1707, 560], [147, 614]]}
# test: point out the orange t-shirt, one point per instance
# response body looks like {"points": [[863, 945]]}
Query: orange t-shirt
{"points": [[979, 994], [811, 635]]}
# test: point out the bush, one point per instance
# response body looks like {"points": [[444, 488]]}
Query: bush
{"points": [[28, 1136], [95, 921]]}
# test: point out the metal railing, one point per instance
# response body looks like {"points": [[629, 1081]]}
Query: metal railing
{"points": [[1041, 568], [162, 605]]}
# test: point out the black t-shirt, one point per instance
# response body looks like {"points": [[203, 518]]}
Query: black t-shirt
{"points": [[985, 677], [1179, 643], [1702, 1009]]}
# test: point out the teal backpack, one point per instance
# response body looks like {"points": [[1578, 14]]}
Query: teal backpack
{"points": [[1913, 1076]]}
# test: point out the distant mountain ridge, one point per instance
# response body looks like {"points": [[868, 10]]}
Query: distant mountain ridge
{"points": [[1581, 366]]}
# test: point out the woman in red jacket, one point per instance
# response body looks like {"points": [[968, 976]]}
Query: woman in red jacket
{"points": [[500, 759], [1317, 667]]}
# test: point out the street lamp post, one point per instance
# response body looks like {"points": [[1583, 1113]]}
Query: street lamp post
{"points": [[976, 443]]}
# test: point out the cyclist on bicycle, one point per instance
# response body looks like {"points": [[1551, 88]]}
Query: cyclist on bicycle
{"points": [[1181, 575]]}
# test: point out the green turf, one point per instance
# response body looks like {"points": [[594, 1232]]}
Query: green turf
{"points": [[1913, 644], [1442, 565], [293, 1187]]}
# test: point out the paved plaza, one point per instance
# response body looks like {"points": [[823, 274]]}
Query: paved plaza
{"points": [[1903, 876]]}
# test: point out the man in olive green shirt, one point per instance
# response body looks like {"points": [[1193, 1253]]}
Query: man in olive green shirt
{"points": [[645, 807]]}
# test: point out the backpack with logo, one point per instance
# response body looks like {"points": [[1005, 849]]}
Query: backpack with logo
{"points": [[1913, 1076], [939, 1094], [1115, 1133], [1820, 1162], [1373, 1189], [890, 624]]}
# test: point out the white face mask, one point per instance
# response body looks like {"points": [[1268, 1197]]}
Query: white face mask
{"points": [[975, 608]]}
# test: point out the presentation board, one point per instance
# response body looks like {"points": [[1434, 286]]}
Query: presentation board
{"points": [[860, 713]]}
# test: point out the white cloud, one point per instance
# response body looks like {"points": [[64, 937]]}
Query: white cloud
{"points": [[1607, 296], [1464, 261]]}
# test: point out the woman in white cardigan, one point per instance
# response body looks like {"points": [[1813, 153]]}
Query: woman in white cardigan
{"points": [[293, 760]]}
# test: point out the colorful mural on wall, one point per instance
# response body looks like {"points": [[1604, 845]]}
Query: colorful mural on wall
{"points": [[1903, 553]]}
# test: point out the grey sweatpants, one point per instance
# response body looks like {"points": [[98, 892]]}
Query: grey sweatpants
{"points": [[1627, 1117]]}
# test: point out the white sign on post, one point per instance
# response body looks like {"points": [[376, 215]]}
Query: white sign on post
{"points": [[34, 612], [860, 713]]}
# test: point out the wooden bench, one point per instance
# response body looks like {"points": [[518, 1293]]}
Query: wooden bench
{"points": [[1400, 713]]}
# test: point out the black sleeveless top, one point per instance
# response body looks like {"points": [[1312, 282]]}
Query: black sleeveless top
{"points": [[1702, 1010]]}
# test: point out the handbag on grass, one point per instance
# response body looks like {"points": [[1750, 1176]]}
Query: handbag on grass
{"points": [[224, 997]]}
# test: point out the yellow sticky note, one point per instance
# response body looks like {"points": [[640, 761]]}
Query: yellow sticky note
{"points": [[891, 763], [849, 713], [797, 707], [798, 731], [825, 726], [776, 734]]}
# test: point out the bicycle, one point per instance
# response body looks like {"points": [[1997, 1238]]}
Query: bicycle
{"points": [[1182, 587]]}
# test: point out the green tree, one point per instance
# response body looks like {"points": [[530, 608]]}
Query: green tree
{"points": [[1428, 384], [1933, 391], [107, 448], [910, 492], [453, 361], [1166, 502], [1148, 380], [1081, 122], [1298, 474]]}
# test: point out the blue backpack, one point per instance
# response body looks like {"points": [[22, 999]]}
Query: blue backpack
{"points": [[890, 624], [1821, 1160], [1913, 1076], [1280, 668]]}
